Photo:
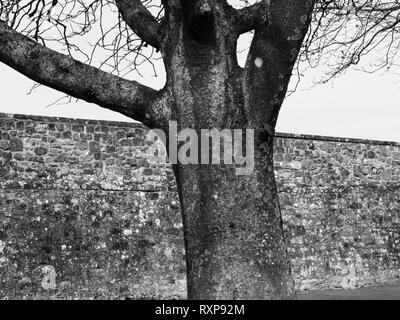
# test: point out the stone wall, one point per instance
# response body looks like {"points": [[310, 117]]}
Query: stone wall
{"points": [[84, 215]]}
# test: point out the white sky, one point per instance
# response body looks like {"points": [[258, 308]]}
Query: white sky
{"points": [[359, 105]]}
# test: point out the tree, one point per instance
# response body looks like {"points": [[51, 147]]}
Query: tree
{"points": [[235, 246]]}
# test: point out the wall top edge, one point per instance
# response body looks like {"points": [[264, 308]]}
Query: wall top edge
{"points": [[335, 139], [14, 116], [296, 136]]}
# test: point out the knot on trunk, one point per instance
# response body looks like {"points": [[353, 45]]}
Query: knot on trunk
{"points": [[265, 135], [204, 8]]}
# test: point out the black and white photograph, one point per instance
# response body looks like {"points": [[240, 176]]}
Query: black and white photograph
{"points": [[198, 150]]}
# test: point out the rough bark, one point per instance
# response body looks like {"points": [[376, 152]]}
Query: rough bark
{"points": [[251, 17], [233, 232], [272, 56], [140, 20]]}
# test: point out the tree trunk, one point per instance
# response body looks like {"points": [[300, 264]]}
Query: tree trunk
{"points": [[235, 247], [234, 240]]}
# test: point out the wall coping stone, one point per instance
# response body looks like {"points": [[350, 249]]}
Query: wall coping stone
{"points": [[140, 125]]}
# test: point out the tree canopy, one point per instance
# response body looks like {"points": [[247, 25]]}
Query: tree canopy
{"points": [[122, 36]]}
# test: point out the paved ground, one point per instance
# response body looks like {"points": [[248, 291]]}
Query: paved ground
{"points": [[381, 293]]}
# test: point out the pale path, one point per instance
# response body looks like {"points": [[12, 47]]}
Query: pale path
{"points": [[378, 293]]}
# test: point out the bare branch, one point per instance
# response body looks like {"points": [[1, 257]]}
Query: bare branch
{"points": [[140, 20], [75, 78], [92, 31], [346, 32]]}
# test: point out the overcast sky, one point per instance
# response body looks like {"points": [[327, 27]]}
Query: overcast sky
{"points": [[359, 105]]}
